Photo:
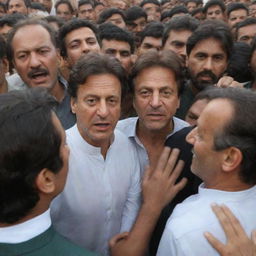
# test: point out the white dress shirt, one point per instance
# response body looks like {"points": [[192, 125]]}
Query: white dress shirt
{"points": [[26, 230], [102, 196], [128, 127], [183, 234]]}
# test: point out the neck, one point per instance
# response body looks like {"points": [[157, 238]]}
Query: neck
{"points": [[231, 183], [38, 210], [58, 91], [153, 136], [3, 86]]}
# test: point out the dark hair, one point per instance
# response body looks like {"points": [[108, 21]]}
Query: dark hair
{"points": [[26, 2], [24, 23], [212, 29], [167, 59], [29, 143], [107, 13], [51, 18], [84, 2], [134, 13], [2, 47], [253, 45], [70, 7], [38, 6], [3, 6], [155, 2], [240, 130], [244, 23], [211, 3], [109, 32], [196, 11], [95, 64], [73, 25], [178, 9], [236, 6], [153, 29], [185, 22], [11, 19], [238, 67]]}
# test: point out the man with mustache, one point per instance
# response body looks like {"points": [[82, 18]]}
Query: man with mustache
{"points": [[208, 50], [31, 47]]}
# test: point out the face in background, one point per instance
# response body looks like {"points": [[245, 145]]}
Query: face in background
{"points": [[207, 162], [120, 50], [97, 108], [137, 25], [117, 20], [5, 30], [64, 12], [215, 12], [156, 98], [98, 10], [150, 43], [35, 57], [195, 111], [236, 16], [86, 12], [47, 4], [177, 42], [191, 6], [206, 63], [79, 42], [246, 34], [17, 6], [252, 10], [153, 11]]}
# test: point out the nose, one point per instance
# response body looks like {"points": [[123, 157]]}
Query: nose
{"points": [[103, 110], [34, 60], [190, 138], [155, 100], [208, 64], [85, 48]]}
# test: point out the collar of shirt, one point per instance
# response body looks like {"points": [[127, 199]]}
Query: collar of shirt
{"points": [[27, 230]]}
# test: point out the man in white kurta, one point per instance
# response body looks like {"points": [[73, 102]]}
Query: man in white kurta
{"points": [[224, 158], [102, 193], [101, 196]]}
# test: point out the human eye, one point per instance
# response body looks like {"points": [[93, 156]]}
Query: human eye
{"points": [[200, 56], [178, 44], [91, 41], [125, 54], [21, 56], [166, 93], [43, 51], [74, 45], [218, 57], [113, 101], [90, 101], [144, 93]]}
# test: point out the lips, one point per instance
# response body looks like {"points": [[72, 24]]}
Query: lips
{"points": [[38, 75], [102, 126]]}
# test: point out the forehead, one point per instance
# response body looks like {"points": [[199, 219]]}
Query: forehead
{"points": [[249, 29], [216, 114], [63, 7], [152, 40], [31, 35], [79, 33], [85, 6], [139, 20], [214, 8], [181, 35], [115, 16], [114, 44], [156, 77], [100, 85], [12, 2], [208, 46], [238, 12]]}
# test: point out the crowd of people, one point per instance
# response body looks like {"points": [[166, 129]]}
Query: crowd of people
{"points": [[127, 127]]}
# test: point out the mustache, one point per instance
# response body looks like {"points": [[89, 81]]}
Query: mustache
{"points": [[208, 73], [36, 71]]}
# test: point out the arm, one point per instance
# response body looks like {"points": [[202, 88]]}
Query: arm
{"points": [[238, 244], [158, 188]]}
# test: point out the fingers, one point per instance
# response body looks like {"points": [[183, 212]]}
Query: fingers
{"points": [[115, 239], [236, 226], [163, 159], [215, 243], [223, 219], [171, 164], [147, 174]]}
